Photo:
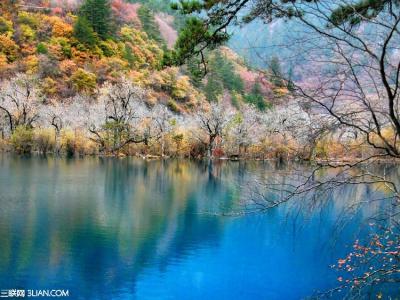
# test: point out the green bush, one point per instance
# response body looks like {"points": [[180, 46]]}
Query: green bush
{"points": [[257, 98], [41, 49], [22, 139], [107, 48]]}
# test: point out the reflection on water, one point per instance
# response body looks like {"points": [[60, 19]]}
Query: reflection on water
{"points": [[123, 229]]}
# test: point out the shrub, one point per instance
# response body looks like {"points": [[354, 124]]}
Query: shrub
{"points": [[41, 48], [181, 87], [109, 48], [84, 81], [44, 140], [27, 33], [44, 32], [83, 145], [22, 139], [76, 143], [8, 47], [173, 106], [144, 52], [62, 29], [256, 98], [3, 144], [128, 55], [47, 67], [197, 149], [49, 86], [27, 18], [68, 142], [3, 61], [110, 69], [235, 100], [68, 67], [178, 140], [60, 48], [281, 92], [31, 64], [6, 27]]}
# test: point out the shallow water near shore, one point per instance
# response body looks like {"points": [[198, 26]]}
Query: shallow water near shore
{"points": [[107, 228]]}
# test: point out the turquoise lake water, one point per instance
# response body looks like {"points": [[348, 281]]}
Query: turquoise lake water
{"points": [[107, 228]]}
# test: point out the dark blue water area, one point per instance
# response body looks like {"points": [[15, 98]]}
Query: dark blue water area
{"points": [[130, 229]]}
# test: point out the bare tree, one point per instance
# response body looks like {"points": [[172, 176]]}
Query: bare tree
{"points": [[55, 115], [162, 123], [246, 128], [295, 121], [116, 117], [19, 102], [211, 121]]}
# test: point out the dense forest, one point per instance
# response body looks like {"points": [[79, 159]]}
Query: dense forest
{"points": [[114, 77]]}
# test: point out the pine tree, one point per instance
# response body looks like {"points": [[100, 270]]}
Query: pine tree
{"points": [[98, 14], [128, 55], [290, 83], [226, 72], [148, 24], [83, 32], [213, 88], [276, 72], [195, 73], [256, 98]]}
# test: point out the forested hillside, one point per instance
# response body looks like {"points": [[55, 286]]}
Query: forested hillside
{"points": [[74, 49], [99, 76]]}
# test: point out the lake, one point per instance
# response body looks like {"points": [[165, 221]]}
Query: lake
{"points": [[107, 228]]}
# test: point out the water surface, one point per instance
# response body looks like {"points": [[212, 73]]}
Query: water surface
{"points": [[129, 229]]}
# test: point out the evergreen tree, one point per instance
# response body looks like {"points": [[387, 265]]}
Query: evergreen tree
{"points": [[149, 26], [222, 76], [98, 14], [276, 72], [213, 88], [256, 98], [83, 32], [169, 58], [128, 55], [226, 72], [290, 83], [195, 73]]}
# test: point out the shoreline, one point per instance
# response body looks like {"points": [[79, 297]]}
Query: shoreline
{"points": [[152, 157]]}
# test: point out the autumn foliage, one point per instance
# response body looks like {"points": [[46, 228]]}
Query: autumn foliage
{"points": [[59, 46]]}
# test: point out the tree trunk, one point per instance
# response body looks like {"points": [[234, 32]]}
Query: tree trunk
{"points": [[210, 147], [57, 146], [162, 146]]}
